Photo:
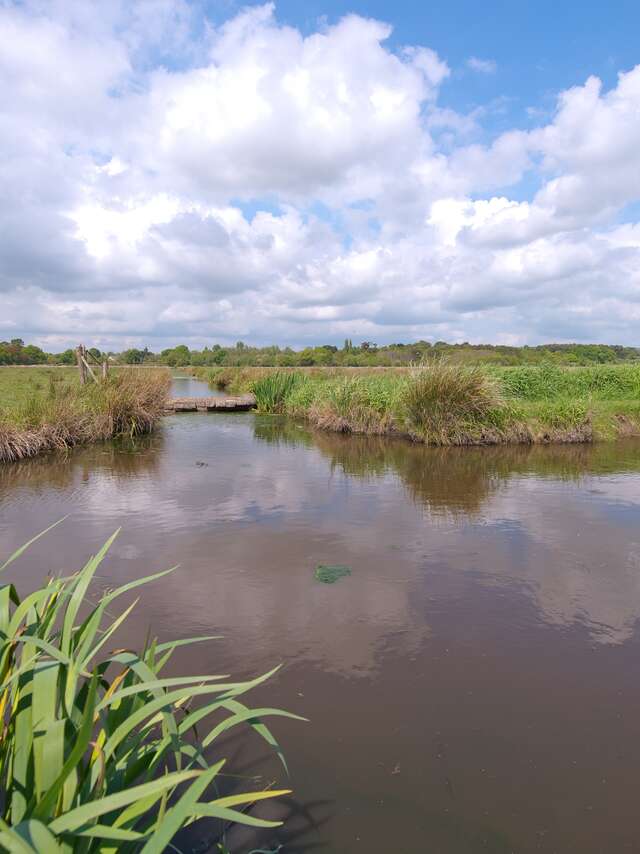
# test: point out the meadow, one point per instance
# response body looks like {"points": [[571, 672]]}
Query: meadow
{"points": [[444, 403]]}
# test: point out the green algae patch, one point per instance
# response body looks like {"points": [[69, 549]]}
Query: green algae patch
{"points": [[330, 574]]}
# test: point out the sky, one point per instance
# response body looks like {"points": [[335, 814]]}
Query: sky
{"points": [[304, 172]]}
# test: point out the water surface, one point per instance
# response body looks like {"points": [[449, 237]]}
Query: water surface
{"points": [[185, 386], [472, 686]]}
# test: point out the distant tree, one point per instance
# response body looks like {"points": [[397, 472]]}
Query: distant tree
{"points": [[132, 356], [180, 355], [68, 357], [34, 355]]}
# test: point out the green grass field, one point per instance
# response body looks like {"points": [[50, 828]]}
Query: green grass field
{"points": [[19, 385]]}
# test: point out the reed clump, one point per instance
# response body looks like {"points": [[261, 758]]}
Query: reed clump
{"points": [[273, 390], [355, 405], [101, 751], [128, 403], [452, 404]]}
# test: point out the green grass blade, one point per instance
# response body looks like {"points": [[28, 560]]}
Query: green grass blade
{"points": [[46, 804], [76, 818], [234, 816], [118, 834], [48, 733], [80, 592], [29, 837], [23, 548], [179, 815]]}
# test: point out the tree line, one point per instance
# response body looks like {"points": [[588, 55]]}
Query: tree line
{"points": [[364, 354]]}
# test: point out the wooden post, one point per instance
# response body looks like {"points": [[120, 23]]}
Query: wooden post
{"points": [[81, 364], [88, 368], [105, 368]]}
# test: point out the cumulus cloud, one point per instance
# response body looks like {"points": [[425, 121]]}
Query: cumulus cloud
{"points": [[166, 179]]}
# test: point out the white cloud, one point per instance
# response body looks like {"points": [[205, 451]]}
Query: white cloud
{"points": [[164, 179], [482, 66]]}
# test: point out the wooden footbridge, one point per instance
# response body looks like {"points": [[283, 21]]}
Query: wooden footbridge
{"points": [[211, 404]]}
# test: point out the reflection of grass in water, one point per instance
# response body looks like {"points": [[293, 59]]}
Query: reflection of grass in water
{"points": [[120, 459], [455, 480], [280, 430], [329, 574]]}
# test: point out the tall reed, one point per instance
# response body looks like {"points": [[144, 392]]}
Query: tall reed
{"points": [[98, 752], [272, 391]]}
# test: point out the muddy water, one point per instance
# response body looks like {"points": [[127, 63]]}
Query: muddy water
{"points": [[473, 686]]}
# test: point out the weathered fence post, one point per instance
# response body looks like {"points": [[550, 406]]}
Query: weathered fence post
{"points": [[81, 364], [105, 368]]}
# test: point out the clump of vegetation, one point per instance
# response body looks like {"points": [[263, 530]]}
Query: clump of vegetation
{"points": [[329, 574], [98, 750], [272, 391], [446, 404], [549, 381], [355, 404], [128, 402]]}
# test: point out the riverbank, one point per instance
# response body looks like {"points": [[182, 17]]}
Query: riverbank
{"points": [[447, 404], [44, 410]]}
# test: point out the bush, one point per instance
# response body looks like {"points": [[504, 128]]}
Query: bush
{"points": [[96, 752]]}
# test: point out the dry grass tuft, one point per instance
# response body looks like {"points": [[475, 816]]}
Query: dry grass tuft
{"points": [[445, 404]]}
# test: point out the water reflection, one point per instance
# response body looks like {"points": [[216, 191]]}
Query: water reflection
{"points": [[185, 386], [120, 460], [470, 685], [454, 480]]}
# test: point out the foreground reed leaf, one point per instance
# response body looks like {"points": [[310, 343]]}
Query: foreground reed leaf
{"points": [[106, 754]]}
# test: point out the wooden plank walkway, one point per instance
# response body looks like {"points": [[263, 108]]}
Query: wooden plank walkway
{"points": [[211, 404]]}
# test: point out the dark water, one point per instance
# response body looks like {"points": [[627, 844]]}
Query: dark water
{"points": [[473, 686]]}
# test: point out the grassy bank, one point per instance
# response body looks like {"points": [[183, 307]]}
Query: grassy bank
{"points": [[47, 409], [450, 404]]}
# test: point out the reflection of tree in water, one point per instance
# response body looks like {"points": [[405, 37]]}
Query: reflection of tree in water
{"points": [[280, 430], [122, 459], [454, 480]]}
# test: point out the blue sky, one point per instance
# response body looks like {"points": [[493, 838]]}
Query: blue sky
{"points": [[200, 171], [540, 47]]}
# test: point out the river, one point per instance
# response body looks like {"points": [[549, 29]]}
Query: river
{"points": [[472, 686]]}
